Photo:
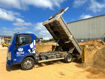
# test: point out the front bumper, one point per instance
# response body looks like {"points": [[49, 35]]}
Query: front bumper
{"points": [[12, 62]]}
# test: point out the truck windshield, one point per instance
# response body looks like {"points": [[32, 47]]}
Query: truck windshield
{"points": [[24, 39]]}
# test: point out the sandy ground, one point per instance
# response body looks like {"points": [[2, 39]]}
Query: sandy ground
{"points": [[55, 70]]}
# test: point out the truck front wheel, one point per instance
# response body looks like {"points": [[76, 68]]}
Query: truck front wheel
{"points": [[27, 63]]}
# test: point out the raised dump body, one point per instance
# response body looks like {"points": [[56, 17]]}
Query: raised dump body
{"points": [[60, 32]]}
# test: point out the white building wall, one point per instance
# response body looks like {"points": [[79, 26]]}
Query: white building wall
{"points": [[88, 29]]}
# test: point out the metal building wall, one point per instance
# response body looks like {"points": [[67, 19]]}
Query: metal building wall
{"points": [[88, 29]]}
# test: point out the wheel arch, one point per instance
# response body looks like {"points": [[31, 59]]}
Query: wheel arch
{"points": [[32, 56]]}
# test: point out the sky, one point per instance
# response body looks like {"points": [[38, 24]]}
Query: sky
{"points": [[26, 16]]}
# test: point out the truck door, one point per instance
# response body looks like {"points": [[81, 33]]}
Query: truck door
{"points": [[25, 45]]}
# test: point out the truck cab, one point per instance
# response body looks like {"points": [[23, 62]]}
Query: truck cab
{"points": [[22, 46]]}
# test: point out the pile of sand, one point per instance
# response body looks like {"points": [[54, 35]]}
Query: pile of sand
{"points": [[94, 54], [45, 47], [92, 43], [99, 58]]}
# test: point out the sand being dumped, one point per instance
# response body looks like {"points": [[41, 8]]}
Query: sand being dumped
{"points": [[99, 58], [94, 54]]}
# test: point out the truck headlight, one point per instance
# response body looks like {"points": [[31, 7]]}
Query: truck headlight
{"points": [[9, 55]]}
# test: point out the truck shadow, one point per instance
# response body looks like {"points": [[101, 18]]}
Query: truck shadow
{"points": [[18, 67], [38, 65]]}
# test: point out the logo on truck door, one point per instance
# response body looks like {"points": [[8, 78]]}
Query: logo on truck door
{"points": [[20, 49], [20, 52]]}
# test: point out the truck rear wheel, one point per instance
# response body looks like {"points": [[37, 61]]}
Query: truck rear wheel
{"points": [[27, 63], [68, 58]]}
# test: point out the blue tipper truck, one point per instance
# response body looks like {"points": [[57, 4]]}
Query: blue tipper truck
{"points": [[23, 45]]}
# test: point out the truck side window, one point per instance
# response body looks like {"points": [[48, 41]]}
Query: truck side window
{"points": [[24, 39]]}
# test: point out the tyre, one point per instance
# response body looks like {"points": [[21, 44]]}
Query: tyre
{"points": [[68, 58], [27, 63]]}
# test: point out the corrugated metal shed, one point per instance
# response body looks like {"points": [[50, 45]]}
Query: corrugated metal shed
{"points": [[88, 29]]}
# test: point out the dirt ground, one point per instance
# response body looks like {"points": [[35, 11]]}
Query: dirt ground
{"points": [[52, 70]]}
